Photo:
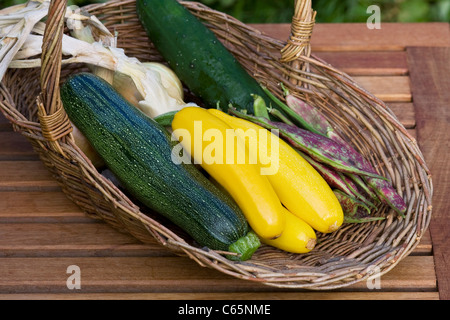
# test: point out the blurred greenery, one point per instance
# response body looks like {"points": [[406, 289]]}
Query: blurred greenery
{"points": [[328, 11], [263, 11]]}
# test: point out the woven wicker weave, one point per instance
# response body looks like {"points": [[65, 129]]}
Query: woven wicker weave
{"points": [[344, 257]]}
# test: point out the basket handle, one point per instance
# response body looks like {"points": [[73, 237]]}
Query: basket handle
{"points": [[301, 30], [53, 119]]}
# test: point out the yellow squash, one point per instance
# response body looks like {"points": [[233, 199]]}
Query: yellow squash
{"points": [[204, 137], [297, 237], [300, 188]]}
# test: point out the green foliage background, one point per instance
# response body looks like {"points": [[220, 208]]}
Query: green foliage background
{"points": [[266, 11]]}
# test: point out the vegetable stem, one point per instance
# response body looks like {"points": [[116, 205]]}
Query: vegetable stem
{"points": [[259, 107], [244, 246], [165, 119], [296, 118]]}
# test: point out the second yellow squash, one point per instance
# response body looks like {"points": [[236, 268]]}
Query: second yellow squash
{"points": [[301, 189], [203, 136]]}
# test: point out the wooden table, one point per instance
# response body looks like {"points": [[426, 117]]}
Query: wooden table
{"points": [[42, 234]]}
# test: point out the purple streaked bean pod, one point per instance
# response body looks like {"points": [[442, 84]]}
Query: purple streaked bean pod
{"points": [[309, 118], [316, 119], [318, 147], [381, 187], [336, 179], [354, 210], [357, 191], [384, 190], [360, 184], [294, 115], [387, 194], [309, 114]]}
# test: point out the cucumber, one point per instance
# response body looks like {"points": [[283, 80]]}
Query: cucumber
{"points": [[196, 55], [138, 150]]}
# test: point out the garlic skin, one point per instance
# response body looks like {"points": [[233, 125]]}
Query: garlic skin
{"points": [[152, 87], [169, 79]]}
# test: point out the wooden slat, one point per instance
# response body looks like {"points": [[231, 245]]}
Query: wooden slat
{"points": [[357, 37], [91, 238], [14, 146], [412, 133], [39, 206], [26, 175], [170, 274], [430, 81], [5, 125], [405, 113], [71, 239], [383, 63], [388, 89], [391, 36], [425, 246], [271, 296]]}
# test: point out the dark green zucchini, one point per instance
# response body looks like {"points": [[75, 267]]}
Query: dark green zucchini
{"points": [[196, 55], [138, 151]]}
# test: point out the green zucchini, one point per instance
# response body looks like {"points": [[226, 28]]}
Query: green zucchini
{"points": [[196, 55], [138, 151]]}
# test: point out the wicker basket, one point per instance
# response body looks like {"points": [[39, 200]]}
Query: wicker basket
{"points": [[351, 254]]}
